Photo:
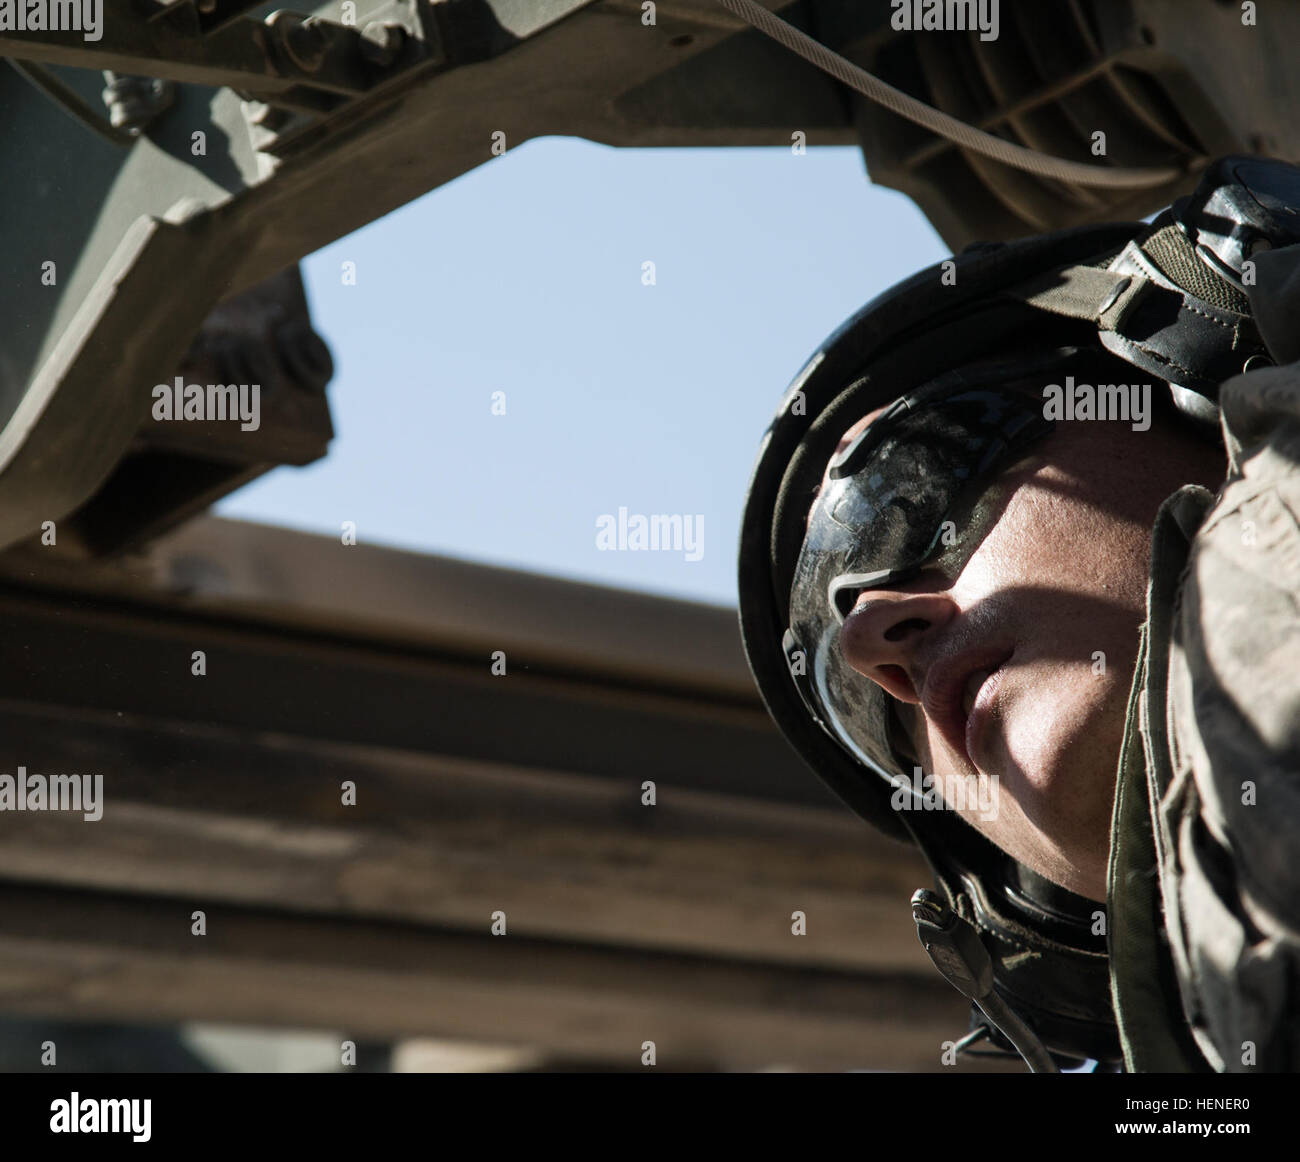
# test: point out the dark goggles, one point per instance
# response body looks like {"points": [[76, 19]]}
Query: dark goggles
{"points": [[918, 488]]}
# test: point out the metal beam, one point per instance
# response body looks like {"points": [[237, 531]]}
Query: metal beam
{"points": [[246, 187], [474, 794], [195, 810], [97, 956]]}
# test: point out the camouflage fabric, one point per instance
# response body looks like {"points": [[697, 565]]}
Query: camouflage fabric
{"points": [[1204, 886], [1144, 988]]}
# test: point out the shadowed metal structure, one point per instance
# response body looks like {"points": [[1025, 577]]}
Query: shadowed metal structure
{"points": [[279, 132], [475, 794]]}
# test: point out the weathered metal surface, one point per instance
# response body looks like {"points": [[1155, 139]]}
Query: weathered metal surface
{"points": [[262, 340], [475, 793], [102, 955], [261, 186]]}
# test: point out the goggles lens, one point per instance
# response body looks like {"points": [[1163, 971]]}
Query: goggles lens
{"points": [[918, 488]]}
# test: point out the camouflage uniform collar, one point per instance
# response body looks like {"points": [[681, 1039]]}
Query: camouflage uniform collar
{"points": [[1153, 1030]]}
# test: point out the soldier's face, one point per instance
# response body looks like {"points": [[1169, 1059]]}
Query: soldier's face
{"points": [[1020, 668]]}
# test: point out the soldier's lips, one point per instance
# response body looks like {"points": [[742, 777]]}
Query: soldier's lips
{"points": [[959, 696], [981, 697], [973, 684]]}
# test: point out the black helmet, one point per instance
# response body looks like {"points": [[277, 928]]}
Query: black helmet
{"points": [[1167, 298]]}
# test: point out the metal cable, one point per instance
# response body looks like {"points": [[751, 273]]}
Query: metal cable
{"points": [[958, 132]]}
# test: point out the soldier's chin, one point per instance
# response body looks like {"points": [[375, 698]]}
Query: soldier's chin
{"points": [[1061, 754]]}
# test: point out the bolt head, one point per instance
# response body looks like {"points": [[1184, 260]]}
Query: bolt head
{"points": [[381, 43]]}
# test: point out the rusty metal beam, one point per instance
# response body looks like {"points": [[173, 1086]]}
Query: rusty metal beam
{"points": [[96, 956], [475, 794]]}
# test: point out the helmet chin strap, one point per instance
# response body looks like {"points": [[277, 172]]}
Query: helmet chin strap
{"points": [[1022, 949], [962, 960]]}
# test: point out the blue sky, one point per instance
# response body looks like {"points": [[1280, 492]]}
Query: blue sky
{"points": [[524, 276]]}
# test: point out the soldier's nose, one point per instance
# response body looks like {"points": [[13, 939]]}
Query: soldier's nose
{"points": [[884, 633]]}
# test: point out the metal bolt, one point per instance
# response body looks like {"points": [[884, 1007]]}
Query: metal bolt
{"points": [[133, 102], [382, 43], [305, 355], [303, 39]]}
